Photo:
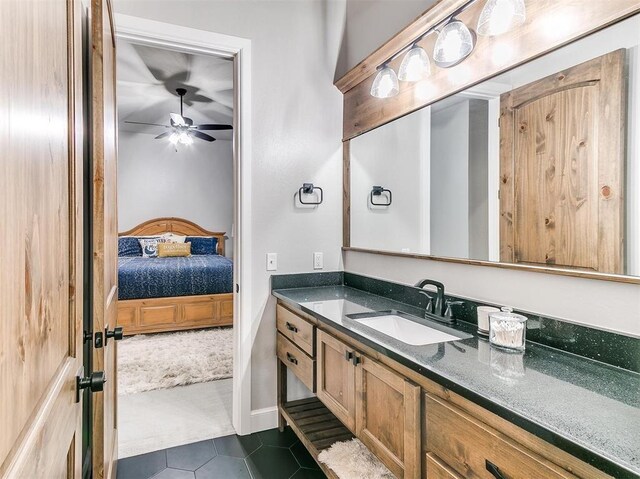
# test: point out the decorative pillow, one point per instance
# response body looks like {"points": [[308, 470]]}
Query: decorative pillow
{"points": [[174, 249], [150, 246], [174, 238], [129, 246], [203, 244]]}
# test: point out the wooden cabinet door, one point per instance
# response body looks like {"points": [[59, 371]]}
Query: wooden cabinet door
{"points": [[105, 233], [336, 378], [41, 280], [388, 417], [562, 168]]}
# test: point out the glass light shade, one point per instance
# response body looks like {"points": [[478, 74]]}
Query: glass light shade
{"points": [[455, 42], [174, 137], [385, 84], [185, 138], [415, 65], [500, 16]]}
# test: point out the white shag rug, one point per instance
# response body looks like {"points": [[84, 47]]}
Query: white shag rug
{"points": [[166, 360], [352, 460]]}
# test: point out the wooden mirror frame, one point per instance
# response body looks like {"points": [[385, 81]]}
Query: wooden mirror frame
{"points": [[179, 226], [363, 113]]}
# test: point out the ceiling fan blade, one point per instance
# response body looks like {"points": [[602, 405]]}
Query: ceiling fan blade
{"points": [[162, 135], [177, 119], [214, 127], [203, 136], [143, 123]]}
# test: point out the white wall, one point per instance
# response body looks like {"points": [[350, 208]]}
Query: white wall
{"points": [[372, 22], [478, 180], [392, 156], [195, 182], [297, 124], [450, 181]]}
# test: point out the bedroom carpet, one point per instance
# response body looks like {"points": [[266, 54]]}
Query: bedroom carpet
{"points": [[155, 420], [165, 360]]}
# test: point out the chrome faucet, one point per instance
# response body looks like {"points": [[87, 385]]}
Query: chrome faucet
{"points": [[438, 307]]}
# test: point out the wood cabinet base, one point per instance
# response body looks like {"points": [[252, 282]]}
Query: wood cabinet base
{"points": [[177, 313]]}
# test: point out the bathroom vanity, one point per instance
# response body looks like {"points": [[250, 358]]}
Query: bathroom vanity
{"points": [[519, 153], [449, 409]]}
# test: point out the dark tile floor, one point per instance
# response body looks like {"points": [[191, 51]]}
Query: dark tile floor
{"points": [[264, 455]]}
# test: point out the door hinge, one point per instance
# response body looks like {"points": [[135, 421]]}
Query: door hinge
{"points": [[97, 339]]}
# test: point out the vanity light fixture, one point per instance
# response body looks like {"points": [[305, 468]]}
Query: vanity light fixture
{"points": [[500, 16], [415, 65], [385, 84], [455, 43]]}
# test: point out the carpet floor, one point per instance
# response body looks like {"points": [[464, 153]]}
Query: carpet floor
{"points": [[165, 360], [164, 418]]}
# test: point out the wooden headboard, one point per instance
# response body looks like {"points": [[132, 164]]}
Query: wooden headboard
{"points": [[157, 226]]}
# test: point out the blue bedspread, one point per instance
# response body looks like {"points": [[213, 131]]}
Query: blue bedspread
{"points": [[164, 277]]}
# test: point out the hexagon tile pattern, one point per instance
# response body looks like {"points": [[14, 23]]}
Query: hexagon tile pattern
{"points": [[266, 455]]}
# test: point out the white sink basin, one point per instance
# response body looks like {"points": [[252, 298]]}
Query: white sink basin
{"points": [[406, 330]]}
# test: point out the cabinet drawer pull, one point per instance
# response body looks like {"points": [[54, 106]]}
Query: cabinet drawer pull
{"points": [[355, 360], [291, 327], [291, 358], [348, 355], [493, 469]]}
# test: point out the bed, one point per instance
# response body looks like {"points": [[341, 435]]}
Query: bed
{"points": [[177, 293]]}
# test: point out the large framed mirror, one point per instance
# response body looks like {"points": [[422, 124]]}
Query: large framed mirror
{"points": [[536, 167]]}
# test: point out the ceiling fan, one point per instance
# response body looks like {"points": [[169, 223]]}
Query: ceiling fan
{"points": [[182, 128]]}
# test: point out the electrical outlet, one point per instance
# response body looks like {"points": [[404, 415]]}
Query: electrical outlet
{"points": [[317, 261], [272, 261]]}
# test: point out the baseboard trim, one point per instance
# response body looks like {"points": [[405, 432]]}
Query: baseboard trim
{"points": [[265, 418]]}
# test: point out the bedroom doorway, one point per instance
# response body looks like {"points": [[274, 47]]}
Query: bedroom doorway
{"points": [[178, 253]]}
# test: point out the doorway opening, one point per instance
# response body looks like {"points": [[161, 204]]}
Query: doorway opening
{"points": [[183, 164]]}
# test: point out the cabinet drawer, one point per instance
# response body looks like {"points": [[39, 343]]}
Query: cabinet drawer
{"points": [[436, 469], [473, 449], [298, 330], [296, 360]]}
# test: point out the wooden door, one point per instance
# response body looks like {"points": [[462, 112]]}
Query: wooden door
{"points": [[336, 378], [105, 234], [562, 166], [388, 417], [41, 226]]}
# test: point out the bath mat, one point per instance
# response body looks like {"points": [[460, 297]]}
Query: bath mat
{"points": [[352, 460], [166, 360]]}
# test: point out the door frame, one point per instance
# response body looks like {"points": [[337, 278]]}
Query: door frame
{"points": [[175, 37]]}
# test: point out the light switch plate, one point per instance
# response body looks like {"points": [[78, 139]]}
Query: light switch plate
{"points": [[272, 261], [317, 261]]}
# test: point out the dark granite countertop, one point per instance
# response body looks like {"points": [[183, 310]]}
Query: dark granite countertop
{"points": [[587, 408]]}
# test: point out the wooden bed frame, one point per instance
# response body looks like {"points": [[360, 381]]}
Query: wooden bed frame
{"points": [[177, 313]]}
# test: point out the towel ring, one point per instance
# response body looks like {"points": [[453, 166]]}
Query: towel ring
{"points": [[308, 189], [379, 191]]}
